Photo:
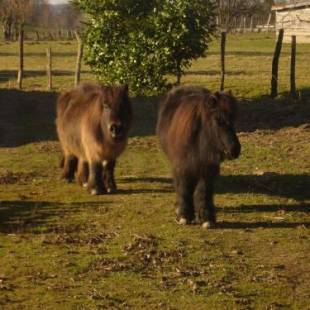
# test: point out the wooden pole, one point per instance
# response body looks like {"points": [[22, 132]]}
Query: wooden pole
{"points": [[293, 68], [78, 59], [235, 24], [49, 68], [223, 44], [240, 26], [244, 24], [275, 65], [268, 22], [21, 57]]}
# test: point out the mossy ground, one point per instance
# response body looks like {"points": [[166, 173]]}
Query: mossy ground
{"points": [[61, 248]]}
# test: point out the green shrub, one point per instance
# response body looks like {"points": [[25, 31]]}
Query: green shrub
{"points": [[141, 42]]}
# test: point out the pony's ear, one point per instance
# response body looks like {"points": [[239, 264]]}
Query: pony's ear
{"points": [[217, 94], [124, 88], [229, 93], [212, 101]]}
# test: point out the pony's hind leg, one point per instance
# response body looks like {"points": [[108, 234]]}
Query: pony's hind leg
{"points": [[69, 167], [185, 186], [95, 183], [108, 176], [82, 173]]}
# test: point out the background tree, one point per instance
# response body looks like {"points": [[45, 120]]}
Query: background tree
{"points": [[13, 13], [141, 42], [229, 11], [36, 13], [41, 14], [67, 17]]}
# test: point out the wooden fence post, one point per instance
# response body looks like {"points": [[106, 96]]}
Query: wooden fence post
{"points": [[240, 26], [244, 24], [268, 21], [21, 57], [223, 44], [293, 66], [275, 65], [49, 68], [78, 59]]}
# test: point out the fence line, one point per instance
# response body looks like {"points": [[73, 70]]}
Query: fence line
{"points": [[77, 76]]}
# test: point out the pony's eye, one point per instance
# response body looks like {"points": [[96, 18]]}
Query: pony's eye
{"points": [[221, 122], [105, 106]]}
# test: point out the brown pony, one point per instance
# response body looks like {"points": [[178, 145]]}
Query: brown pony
{"points": [[93, 122], [196, 131]]}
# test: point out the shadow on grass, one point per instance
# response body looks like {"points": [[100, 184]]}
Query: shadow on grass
{"points": [[265, 224], [252, 53], [283, 185], [165, 180], [23, 216], [264, 113], [214, 72], [26, 117], [143, 191], [266, 208], [29, 116], [17, 217]]}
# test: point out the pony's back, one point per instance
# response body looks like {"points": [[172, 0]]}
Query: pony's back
{"points": [[174, 99], [180, 118]]}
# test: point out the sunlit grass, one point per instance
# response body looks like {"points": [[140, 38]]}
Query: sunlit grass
{"points": [[61, 248]]}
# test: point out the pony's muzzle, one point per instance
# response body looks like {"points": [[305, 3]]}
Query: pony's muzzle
{"points": [[116, 131], [235, 151]]}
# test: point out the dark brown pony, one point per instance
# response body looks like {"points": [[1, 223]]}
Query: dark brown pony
{"points": [[93, 122], [196, 131]]}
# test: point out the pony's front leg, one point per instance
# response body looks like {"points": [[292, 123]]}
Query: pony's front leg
{"points": [[69, 167], [185, 186], [204, 204], [108, 176], [83, 172], [95, 183], [203, 198]]}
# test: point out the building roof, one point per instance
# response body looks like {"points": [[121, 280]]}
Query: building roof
{"points": [[290, 4]]}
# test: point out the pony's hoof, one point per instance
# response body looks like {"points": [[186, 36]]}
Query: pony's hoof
{"points": [[183, 221], [97, 191], [84, 185], [208, 225], [94, 192], [111, 190]]}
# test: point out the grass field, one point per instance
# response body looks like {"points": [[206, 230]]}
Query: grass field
{"points": [[61, 248]]}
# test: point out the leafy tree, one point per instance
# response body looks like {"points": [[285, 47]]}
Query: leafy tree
{"points": [[231, 10], [141, 42], [13, 13]]}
